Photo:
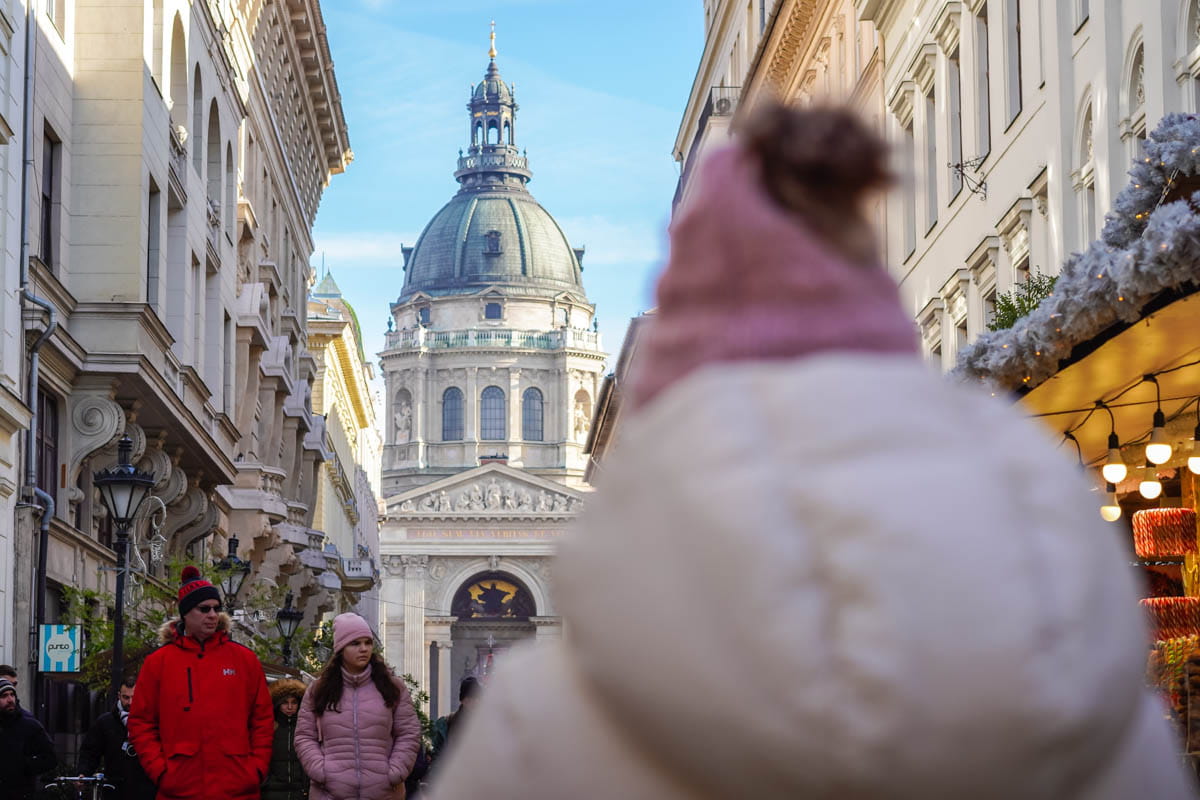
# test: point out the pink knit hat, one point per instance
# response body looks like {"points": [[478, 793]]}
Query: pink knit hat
{"points": [[348, 627], [747, 280]]}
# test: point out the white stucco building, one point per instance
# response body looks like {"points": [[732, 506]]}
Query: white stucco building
{"points": [[491, 373]]}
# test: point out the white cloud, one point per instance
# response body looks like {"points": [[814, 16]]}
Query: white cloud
{"points": [[354, 249]]}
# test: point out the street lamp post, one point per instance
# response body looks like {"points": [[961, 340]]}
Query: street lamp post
{"points": [[123, 488], [235, 572], [288, 620]]}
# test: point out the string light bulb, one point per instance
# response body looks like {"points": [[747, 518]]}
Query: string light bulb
{"points": [[1114, 469], [1193, 462], [1150, 487], [1111, 510], [1158, 449]]}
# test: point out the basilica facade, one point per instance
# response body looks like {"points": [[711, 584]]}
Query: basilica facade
{"points": [[491, 366]]}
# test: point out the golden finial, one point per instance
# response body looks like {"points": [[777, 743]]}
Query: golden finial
{"points": [[492, 49]]}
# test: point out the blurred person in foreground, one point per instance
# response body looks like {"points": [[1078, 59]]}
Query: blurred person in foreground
{"points": [[815, 568], [106, 748], [358, 734]]}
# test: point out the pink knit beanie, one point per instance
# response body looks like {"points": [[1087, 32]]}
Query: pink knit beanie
{"points": [[747, 280], [348, 627]]}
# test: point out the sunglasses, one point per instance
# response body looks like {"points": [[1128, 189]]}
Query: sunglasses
{"points": [[214, 609]]}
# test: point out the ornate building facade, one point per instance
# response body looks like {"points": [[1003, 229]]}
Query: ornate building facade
{"points": [[347, 510], [492, 369], [180, 150]]}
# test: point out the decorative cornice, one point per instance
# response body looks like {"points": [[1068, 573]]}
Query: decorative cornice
{"points": [[793, 40]]}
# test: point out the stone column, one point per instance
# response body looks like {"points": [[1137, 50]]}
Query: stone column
{"points": [[514, 407], [414, 617], [437, 632], [392, 595], [420, 413]]}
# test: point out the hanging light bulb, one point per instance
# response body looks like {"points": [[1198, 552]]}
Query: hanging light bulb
{"points": [[1111, 510], [1114, 469], [1158, 449], [1193, 461], [1150, 487]]}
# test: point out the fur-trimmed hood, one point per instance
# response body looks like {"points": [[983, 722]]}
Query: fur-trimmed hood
{"points": [[284, 688], [172, 629]]}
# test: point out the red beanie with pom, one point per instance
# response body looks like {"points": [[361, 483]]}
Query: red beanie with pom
{"points": [[195, 590]]}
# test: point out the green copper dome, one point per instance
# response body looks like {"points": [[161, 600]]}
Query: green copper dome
{"points": [[492, 233]]}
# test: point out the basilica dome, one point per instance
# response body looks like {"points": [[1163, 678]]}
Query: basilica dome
{"points": [[492, 233]]}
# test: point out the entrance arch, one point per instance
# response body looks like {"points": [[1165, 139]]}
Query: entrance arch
{"points": [[492, 611]]}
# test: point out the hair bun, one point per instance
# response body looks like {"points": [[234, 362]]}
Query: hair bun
{"points": [[820, 163], [190, 573]]}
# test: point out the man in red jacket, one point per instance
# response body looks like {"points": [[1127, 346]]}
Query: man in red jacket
{"points": [[202, 720]]}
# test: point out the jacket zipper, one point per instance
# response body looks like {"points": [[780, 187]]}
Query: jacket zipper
{"points": [[357, 750], [189, 676]]}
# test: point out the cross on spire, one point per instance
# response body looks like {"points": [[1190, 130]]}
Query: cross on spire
{"points": [[492, 49]]}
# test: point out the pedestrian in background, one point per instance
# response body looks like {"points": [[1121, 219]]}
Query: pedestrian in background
{"points": [[201, 721], [25, 748], [358, 733], [815, 568], [10, 673], [285, 777], [444, 727], [106, 748]]}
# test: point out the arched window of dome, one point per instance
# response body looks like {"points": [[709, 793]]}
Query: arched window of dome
{"points": [[477, 135], [491, 413], [508, 133], [452, 415], [531, 415], [493, 132]]}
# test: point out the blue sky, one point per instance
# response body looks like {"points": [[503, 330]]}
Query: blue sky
{"points": [[601, 88]]}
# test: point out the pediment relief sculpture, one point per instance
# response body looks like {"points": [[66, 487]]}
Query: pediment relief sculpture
{"points": [[492, 496]]}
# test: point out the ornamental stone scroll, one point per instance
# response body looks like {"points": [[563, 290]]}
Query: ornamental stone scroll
{"points": [[97, 421]]}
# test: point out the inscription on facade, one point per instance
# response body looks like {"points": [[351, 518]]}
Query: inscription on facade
{"points": [[482, 533]]}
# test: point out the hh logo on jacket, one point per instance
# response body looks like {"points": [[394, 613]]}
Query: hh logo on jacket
{"points": [[229, 671]]}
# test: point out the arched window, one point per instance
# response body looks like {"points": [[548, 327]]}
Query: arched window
{"points": [[198, 124], [491, 413], [179, 77], [493, 134], [1133, 127], [507, 133], [531, 415], [402, 416], [452, 415], [477, 135], [1085, 178], [493, 595], [214, 153], [230, 191]]}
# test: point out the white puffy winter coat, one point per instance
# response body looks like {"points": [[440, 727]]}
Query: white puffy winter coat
{"points": [[832, 578]]}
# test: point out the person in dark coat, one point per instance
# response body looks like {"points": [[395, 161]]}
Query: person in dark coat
{"points": [[106, 749], [443, 728], [25, 748], [285, 777]]}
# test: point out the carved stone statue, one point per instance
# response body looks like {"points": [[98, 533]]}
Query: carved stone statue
{"points": [[407, 505], [428, 503], [475, 501], [560, 503], [508, 498], [494, 495], [463, 503], [443, 501], [545, 502], [403, 419], [582, 419], [525, 501]]}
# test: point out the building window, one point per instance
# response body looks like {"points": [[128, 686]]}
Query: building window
{"points": [[1082, 12], [1012, 46], [452, 415], [564, 317], [423, 315], [51, 195], [531, 415], [491, 413], [910, 193], [492, 311], [954, 96], [47, 443], [491, 245], [931, 162], [153, 244], [983, 99], [1086, 181], [989, 308], [762, 15], [56, 12]]}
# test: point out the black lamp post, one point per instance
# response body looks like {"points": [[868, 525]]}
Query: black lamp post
{"points": [[123, 488], [236, 571], [288, 620]]}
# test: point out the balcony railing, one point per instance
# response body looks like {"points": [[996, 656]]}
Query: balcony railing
{"points": [[426, 339], [722, 102]]}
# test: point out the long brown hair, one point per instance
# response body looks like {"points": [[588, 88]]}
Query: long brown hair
{"points": [[820, 164], [328, 691]]}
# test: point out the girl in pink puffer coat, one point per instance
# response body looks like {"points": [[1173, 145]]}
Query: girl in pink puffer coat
{"points": [[358, 734]]}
